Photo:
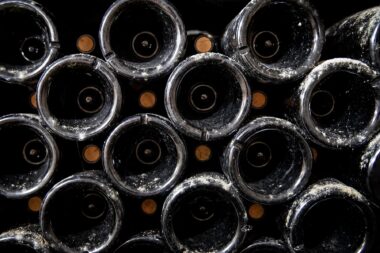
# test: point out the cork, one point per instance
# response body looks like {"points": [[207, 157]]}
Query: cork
{"points": [[149, 206], [259, 100], [203, 153], [33, 100], [34, 204], [256, 211], [147, 99], [91, 153], [85, 43], [203, 44]]}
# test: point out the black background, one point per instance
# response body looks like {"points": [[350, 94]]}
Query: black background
{"points": [[76, 17]]}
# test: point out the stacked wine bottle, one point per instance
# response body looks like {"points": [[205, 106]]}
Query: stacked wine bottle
{"points": [[189, 126]]}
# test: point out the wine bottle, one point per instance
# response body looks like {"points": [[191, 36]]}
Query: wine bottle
{"points": [[330, 217], [29, 41], [147, 242], [142, 39], [337, 103], [204, 214], [82, 213], [26, 239], [266, 245], [207, 96], [356, 37], [144, 156], [370, 169], [78, 96], [268, 161], [30, 155], [275, 41]]}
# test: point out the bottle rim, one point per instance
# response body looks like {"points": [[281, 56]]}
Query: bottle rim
{"points": [[29, 73]]}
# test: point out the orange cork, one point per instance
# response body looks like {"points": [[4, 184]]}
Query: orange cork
{"points": [[203, 44], [33, 100], [34, 204], [149, 206], [259, 100], [256, 211], [91, 153], [203, 153], [85, 43], [147, 99]]}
